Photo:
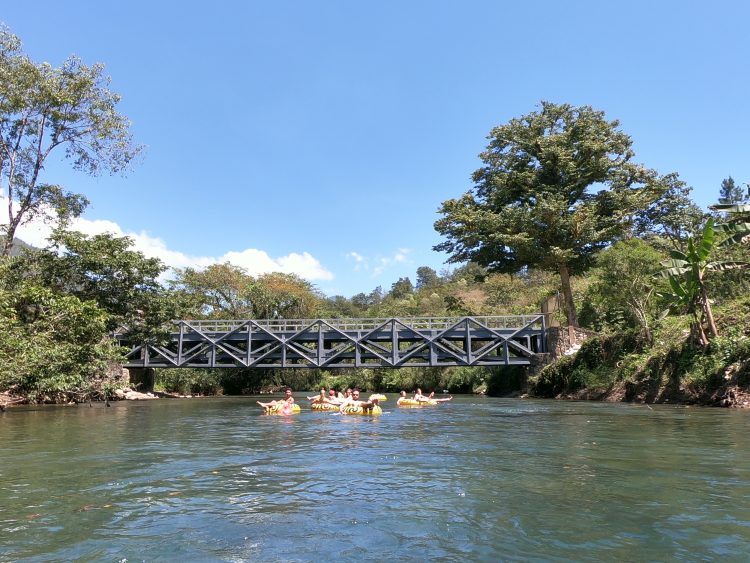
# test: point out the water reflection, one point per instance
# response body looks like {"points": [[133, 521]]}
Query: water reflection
{"points": [[479, 479]]}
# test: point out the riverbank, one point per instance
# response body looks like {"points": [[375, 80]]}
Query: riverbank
{"points": [[665, 368]]}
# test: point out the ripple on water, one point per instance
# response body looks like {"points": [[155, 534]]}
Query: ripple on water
{"points": [[475, 479]]}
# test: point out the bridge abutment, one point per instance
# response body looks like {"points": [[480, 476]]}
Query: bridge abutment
{"points": [[141, 379]]}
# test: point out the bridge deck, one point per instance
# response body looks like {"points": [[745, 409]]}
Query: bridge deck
{"points": [[346, 343]]}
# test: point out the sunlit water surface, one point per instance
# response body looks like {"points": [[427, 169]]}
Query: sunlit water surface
{"points": [[477, 479]]}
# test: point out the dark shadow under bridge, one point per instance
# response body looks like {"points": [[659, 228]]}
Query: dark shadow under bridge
{"points": [[345, 343]]}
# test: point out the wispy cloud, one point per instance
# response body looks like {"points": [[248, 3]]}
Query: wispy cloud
{"points": [[360, 262], [379, 264], [253, 260]]}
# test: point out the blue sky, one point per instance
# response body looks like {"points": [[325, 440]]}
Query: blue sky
{"points": [[321, 137]]}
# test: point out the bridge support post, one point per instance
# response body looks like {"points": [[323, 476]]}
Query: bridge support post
{"points": [[142, 379]]}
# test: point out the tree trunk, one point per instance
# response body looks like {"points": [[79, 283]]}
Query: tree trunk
{"points": [[10, 235], [570, 307], [708, 312]]}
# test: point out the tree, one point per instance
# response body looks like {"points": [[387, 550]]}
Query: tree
{"points": [[46, 110], [285, 296], [103, 269], [220, 291], [673, 215], [534, 202], [427, 277], [52, 346], [687, 272], [730, 192], [401, 288], [623, 284]]}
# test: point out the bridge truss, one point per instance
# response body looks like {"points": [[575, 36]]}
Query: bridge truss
{"points": [[345, 343]]}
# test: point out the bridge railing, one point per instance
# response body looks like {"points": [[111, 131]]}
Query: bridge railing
{"points": [[362, 324]]}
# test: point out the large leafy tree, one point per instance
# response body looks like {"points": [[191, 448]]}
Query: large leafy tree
{"points": [[557, 186], [44, 111], [427, 277], [226, 291], [220, 291], [103, 269], [285, 296]]}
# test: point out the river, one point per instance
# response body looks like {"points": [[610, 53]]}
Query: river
{"points": [[476, 479]]}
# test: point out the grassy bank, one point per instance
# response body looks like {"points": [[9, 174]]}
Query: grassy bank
{"points": [[670, 369]]}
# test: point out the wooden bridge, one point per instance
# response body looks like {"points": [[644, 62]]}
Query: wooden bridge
{"points": [[345, 343]]}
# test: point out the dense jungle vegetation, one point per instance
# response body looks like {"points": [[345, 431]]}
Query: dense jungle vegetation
{"points": [[558, 209]]}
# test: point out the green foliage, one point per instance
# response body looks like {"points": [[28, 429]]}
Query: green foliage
{"points": [[686, 272], [672, 217], [225, 291], [620, 294], [52, 347], [534, 202], [597, 365], [44, 111], [427, 278], [189, 381], [104, 269], [730, 192], [401, 288], [736, 225]]}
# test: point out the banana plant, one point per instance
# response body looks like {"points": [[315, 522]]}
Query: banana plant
{"points": [[737, 226], [687, 271]]}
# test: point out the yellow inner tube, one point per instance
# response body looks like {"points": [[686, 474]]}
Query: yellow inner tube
{"points": [[379, 397], [324, 407], [279, 409], [414, 403], [362, 410]]}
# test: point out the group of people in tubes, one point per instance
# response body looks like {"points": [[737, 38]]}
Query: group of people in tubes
{"points": [[346, 401]]}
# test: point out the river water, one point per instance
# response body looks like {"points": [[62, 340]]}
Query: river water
{"points": [[477, 479]]}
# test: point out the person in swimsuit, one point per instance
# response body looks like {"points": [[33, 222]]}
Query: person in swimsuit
{"points": [[355, 401], [286, 403], [431, 397], [419, 397], [321, 398]]}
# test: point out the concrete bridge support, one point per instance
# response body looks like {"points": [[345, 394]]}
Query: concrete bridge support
{"points": [[142, 379]]}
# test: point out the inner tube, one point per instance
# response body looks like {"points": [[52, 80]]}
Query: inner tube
{"points": [[324, 407], [282, 409], [379, 397], [414, 403], [375, 409]]}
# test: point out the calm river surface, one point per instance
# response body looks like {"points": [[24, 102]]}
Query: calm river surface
{"points": [[478, 479]]}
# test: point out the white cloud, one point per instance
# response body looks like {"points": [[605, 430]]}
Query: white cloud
{"points": [[385, 262], [251, 259], [357, 257], [361, 263], [380, 263]]}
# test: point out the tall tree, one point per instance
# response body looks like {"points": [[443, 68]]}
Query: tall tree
{"points": [[557, 186], [401, 288], [673, 216], [730, 192], [427, 277], [46, 110]]}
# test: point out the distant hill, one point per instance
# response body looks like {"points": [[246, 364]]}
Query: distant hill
{"points": [[18, 246]]}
